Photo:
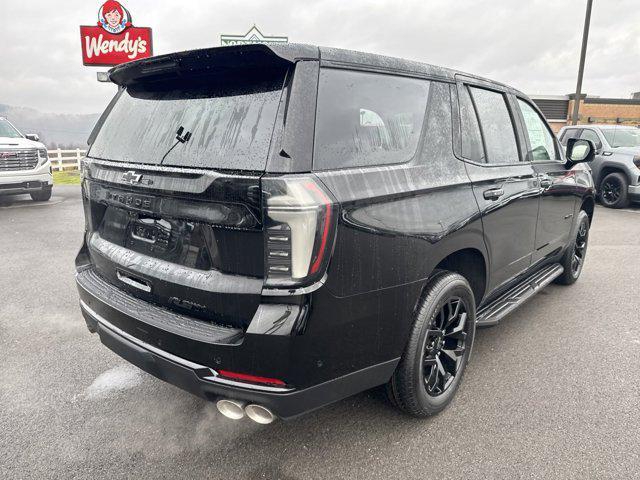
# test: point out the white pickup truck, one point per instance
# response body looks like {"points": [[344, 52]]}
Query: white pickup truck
{"points": [[24, 164]]}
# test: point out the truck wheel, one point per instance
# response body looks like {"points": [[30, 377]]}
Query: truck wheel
{"points": [[614, 191], [432, 365], [573, 258], [43, 195]]}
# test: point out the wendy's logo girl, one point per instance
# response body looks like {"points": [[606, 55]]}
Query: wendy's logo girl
{"points": [[113, 17]]}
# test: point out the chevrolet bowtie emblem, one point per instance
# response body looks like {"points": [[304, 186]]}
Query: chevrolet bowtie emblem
{"points": [[131, 177]]}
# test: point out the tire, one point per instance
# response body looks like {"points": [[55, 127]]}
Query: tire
{"points": [[41, 196], [414, 387], [614, 191], [573, 258]]}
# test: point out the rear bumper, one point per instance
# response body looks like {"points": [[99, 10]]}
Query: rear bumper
{"points": [[317, 363], [205, 382]]}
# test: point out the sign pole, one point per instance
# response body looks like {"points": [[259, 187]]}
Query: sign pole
{"points": [[583, 54]]}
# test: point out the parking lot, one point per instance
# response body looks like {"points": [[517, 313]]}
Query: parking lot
{"points": [[552, 392]]}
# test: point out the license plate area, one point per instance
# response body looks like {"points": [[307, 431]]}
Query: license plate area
{"points": [[151, 231]]}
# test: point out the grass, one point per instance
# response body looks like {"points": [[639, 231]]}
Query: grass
{"points": [[68, 177]]}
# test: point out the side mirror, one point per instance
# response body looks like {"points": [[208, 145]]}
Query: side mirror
{"points": [[579, 151], [32, 136]]}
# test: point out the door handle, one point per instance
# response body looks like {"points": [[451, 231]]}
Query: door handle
{"points": [[546, 182], [493, 193]]}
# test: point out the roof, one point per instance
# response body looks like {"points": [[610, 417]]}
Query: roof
{"points": [[258, 54]]}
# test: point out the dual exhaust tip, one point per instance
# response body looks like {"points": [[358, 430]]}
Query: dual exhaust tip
{"points": [[235, 410]]}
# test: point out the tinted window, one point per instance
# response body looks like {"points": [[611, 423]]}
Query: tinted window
{"points": [[470, 130], [569, 133], [542, 145], [437, 130], [593, 136], [367, 119], [230, 117], [495, 121]]}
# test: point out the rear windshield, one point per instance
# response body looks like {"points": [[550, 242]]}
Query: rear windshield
{"points": [[221, 121]]}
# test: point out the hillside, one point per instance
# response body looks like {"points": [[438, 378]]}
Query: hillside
{"points": [[63, 130]]}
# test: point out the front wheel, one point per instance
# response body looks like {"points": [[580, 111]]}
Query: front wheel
{"points": [[573, 258], [43, 195], [614, 191], [435, 358]]}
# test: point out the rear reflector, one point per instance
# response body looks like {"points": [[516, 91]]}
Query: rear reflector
{"points": [[244, 377]]}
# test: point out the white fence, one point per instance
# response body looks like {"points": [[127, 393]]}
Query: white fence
{"points": [[66, 159]]}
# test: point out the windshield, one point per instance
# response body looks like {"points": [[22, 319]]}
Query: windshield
{"points": [[224, 121], [622, 137], [7, 130]]}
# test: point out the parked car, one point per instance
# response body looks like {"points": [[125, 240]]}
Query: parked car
{"points": [[24, 164], [278, 227], [616, 167]]}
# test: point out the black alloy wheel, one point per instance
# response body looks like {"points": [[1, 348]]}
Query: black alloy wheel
{"points": [[438, 349], [580, 248], [573, 258], [613, 190], [445, 346]]}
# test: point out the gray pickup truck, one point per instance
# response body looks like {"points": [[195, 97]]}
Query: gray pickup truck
{"points": [[616, 168]]}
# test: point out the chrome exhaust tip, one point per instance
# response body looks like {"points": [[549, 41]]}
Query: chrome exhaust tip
{"points": [[232, 409], [259, 414]]}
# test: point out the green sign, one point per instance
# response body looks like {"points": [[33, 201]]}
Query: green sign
{"points": [[252, 36]]}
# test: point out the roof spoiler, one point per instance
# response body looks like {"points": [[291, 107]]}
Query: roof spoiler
{"points": [[194, 62]]}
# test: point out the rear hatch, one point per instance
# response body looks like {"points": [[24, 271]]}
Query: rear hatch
{"points": [[172, 188]]}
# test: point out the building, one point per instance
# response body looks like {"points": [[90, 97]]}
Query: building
{"points": [[559, 108]]}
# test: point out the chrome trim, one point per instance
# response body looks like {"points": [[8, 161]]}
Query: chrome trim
{"points": [[284, 291], [154, 167], [133, 282], [199, 370], [140, 343]]}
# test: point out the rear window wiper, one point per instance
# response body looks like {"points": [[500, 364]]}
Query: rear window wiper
{"points": [[180, 138]]}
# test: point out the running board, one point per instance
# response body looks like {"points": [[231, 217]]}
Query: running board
{"points": [[506, 303]]}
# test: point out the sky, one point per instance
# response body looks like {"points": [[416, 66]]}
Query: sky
{"points": [[533, 45]]}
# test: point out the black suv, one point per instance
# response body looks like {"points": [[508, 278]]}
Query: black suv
{"points": [[279, 227]]}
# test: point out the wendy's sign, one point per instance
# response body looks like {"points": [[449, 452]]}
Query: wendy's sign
{"points": [[114, 40]]}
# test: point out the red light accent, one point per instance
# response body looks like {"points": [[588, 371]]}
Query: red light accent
{"points": [[250, 378], [325, 227]]}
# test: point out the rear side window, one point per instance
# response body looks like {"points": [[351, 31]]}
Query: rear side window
{"points": [[542, 145], [230, 118], [497, 128], [366, 119], [471, 140]]}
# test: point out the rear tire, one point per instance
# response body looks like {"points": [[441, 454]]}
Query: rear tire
{"points": [[439, 347], [573, 258], [43, 195], [614, 191]]}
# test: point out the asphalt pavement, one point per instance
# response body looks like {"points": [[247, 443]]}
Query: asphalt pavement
{"points": [[552, 392]]}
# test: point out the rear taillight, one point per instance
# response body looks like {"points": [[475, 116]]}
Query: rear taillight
{"points": [[300, 218]]}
